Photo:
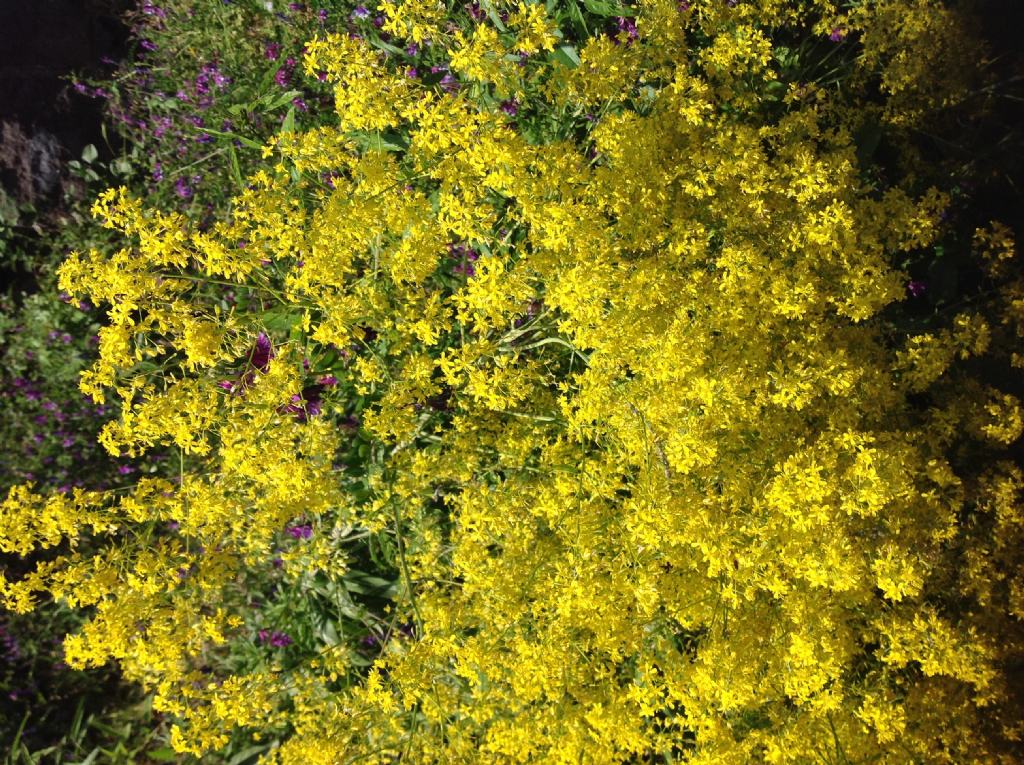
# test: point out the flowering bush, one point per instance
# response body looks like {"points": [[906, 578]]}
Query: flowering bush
{"points": [[583, 347]]}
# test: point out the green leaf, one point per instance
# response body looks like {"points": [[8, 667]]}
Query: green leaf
{"points": [[284, 98], [394, 50], [163, 754], [236, 170], [329, 634], [76, 723], [90, 759], [288, 126], [281, 321], [605, 8], [248, 753], [121, 166], [377, 141], [566, 55], [492, 14], [245, 141], [577, 16], [89, 153], [367, 584]]}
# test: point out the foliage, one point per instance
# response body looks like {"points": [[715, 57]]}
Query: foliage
{"points": [[566, 407]]}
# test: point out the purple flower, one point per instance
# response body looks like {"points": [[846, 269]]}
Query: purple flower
{"points": [[147, 45], [916, 288], [272, 51], [125, 469], [412, 73], [510, 107], [412, 49], [328, 380], [449, 84], [306, 404], [627, 25], [378, 21], [299, 104], [837, 34], [283, 76], [296, 7], [304, 531], [262, 353], [322, 15], [360, 12], [274, 638], [182, 189], [161, 125]]}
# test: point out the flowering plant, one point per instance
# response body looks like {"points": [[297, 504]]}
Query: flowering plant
{"points": [[614, 410]]}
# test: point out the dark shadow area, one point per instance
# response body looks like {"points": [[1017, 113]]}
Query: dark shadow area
{"points": [[44, 122]]}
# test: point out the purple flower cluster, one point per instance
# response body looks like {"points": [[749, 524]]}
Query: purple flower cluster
{"points": [[152, 10], [625, 25], [210, 75], [300, 531], [85, 90], [306, 404], [262, 352], [274, 639], [464, 257], [283, 76]]}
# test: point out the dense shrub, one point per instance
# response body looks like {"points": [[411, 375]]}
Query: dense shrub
{"points": [[565, 409]]}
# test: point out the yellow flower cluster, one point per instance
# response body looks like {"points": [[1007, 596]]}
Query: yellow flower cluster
{"points": [[652, 465]]}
